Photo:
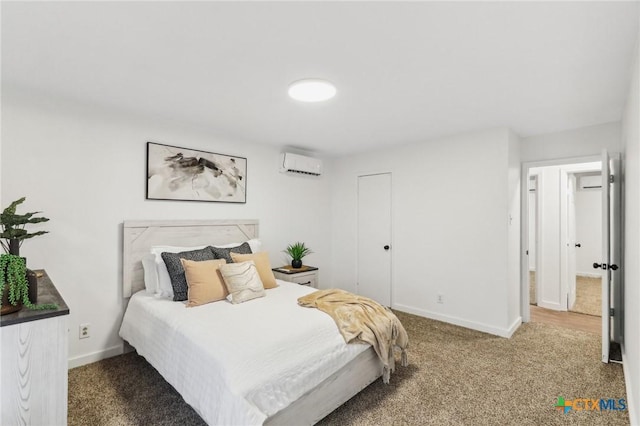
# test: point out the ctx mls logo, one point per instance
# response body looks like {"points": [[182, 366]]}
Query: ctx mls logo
{"points": [[590, 404]]}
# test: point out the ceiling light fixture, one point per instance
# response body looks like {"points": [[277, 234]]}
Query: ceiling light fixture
{"points": [[312, 90]]}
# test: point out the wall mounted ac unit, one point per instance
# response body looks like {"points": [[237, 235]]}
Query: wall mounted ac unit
{"points": [[294, 163], [590, 181]]}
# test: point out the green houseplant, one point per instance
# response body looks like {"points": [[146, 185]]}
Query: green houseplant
{"points": [[16, 280], [12, 225], [297, 251], [15, 286]]}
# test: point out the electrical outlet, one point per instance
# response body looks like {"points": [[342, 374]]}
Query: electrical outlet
{"points": [[440, 298], [85, 330]]}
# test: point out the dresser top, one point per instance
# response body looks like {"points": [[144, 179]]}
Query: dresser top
{"points": [[289, 270], [47, 293]]}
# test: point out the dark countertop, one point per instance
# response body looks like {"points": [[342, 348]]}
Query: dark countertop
{"points": [[47, 293]]}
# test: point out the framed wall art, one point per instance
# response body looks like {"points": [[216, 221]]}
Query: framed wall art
{"points": [[185, 174]]}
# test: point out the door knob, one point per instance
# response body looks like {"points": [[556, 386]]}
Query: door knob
{"points": [[386, 247], [604, 266], [578, 245]]}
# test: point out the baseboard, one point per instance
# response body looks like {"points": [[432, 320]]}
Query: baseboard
{"points": [[552, 306], [95, 356], [473, 325], [514, 326], [631, 402]]}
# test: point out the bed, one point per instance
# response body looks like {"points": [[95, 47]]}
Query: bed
{"points": [[266, 361]]}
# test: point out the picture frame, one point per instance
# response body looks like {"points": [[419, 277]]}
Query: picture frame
{"points": [[186, 174]]}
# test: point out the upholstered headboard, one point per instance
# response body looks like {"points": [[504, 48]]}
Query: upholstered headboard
{"points": [[140, 236]]}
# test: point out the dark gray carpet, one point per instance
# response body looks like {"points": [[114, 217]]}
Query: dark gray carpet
{"points": [[455, 377]]}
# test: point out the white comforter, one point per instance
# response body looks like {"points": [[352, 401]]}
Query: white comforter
{"points": [[238, 364]]}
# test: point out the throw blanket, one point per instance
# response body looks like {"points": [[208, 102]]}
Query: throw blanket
{"points": [[362, 320]]}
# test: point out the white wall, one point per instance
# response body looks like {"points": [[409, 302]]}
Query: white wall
{"points": [[451, 203], [631, 141], [580, 142], [85, 169], [588, 231]]}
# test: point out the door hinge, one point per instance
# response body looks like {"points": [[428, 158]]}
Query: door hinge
{"points": [[611, 312], [611, 179]]}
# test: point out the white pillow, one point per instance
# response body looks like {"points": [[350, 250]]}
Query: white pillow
{"points": [[164, 288], [255, 244], [150, 273]]}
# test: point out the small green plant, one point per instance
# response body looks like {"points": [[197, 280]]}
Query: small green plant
{"points": [[297, 251], [13, 273], [12, 226]]}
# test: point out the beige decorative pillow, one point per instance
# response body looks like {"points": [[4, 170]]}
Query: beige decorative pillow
{"points": [[204, 281], [263, 266], [243, 281]]}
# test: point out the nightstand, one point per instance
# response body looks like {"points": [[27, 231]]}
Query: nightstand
{"points": [[307, 275]]}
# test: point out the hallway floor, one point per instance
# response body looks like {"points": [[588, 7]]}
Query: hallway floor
{"points": [[570, 320]]}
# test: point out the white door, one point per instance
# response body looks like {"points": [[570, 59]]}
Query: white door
{"points": [[374, 237], [611, 252], [571, 240], [532, 271]]}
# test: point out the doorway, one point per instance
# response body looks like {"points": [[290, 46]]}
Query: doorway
{"points": [[569, 195], [564, 237], [374, 237]]}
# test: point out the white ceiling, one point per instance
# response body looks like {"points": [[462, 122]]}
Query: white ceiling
{"points": [[405, 72]]}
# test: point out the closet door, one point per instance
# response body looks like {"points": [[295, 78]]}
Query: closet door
{"points": [[374, 237]]}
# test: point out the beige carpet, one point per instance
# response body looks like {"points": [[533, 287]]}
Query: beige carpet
{"points": [[455, 377], [532, 288], [588, 296]]}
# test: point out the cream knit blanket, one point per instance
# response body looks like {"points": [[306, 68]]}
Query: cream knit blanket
{"points": [[362, 320]]}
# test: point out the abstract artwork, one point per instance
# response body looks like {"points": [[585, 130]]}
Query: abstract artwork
{"points": [[187, 174]]}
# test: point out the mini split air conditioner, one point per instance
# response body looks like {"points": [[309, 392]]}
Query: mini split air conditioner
{"points": [[294, 163], [590, 182]]}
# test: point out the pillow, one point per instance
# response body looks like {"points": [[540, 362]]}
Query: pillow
{"points": [[176, 271], [261, 260], [164, 288], [243, 281], [150, 273], [225, 253], [255, 245], [204, 281]]}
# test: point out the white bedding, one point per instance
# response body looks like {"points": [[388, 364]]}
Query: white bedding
{"points": [[238, 364]]}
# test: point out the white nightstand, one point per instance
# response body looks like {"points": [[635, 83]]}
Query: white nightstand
{"points": [[307, 275]]}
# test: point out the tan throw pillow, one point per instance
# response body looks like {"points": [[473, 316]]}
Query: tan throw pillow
{"points": [[243, 281], [263, 266], [204, 281]]}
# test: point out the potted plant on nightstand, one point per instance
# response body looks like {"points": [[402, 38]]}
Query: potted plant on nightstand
{"points": [[297, 251], [18, 284]]}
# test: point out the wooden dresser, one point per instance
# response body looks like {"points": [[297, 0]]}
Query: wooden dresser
{"points": [[33, 362]]}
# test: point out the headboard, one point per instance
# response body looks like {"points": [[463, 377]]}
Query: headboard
{"points": [[140, 236]]}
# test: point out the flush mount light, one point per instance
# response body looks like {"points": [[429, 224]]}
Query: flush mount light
{"points": [[312, 90]]}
